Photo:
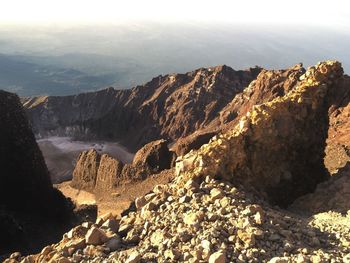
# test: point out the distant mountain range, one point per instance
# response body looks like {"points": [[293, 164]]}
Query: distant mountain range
{"points": [[19, 74], [54, 60]]}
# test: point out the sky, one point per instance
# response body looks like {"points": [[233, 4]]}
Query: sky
{"points": [[330, 13]]}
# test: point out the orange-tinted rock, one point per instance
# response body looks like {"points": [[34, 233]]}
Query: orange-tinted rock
{"points": [[278, 147], [109, 172], [85, 171], [99, 174]]}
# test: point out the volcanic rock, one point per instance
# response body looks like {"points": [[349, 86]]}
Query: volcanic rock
{"points": [[169, 107], [85, 172], [268, 85], [108, 174], [254, 152], [218, 208], [28, 202], [156, 155], [100, 174]]}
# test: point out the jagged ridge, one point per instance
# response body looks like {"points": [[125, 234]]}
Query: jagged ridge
{"points": [[278, 147], [167, 107]]}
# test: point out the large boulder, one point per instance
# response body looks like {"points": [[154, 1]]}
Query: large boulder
{"points": [[278, 146], [85, 171], [100, 173], [108, 174], [155, 155]]}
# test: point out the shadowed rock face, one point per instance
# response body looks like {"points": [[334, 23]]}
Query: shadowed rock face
{"points": [[277, 147], [29, 205], [168, 107], [331, 195], [96, 173], [24, 176]]}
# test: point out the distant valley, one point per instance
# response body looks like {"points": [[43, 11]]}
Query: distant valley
{"points": [[51, 60], [19, 74]]}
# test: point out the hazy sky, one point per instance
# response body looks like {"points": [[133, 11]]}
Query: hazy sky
{"points": [[313, 12]]}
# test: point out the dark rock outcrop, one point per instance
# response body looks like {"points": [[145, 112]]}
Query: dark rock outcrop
{"points": [[24, 176], [27, 198], [155, 155], [101, 173]]}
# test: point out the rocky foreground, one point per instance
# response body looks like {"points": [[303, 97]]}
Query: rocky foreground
{"points": [[221, 205], [204, 221]]}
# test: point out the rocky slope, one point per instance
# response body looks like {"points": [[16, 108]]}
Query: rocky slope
{"points": [[168, 107], [27, 198], [219, 207]]}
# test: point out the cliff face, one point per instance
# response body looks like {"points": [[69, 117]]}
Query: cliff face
{"points": [[338, 142], [69, 115], [167, 107], [28, 202], [278, 146]]}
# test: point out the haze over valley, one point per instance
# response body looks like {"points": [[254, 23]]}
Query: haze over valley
{"points": [[68, 59]]}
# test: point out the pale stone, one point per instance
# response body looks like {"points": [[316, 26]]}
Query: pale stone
{"points": [[247, 238], [172, 254], [216, 193], [193, 218], [157, 238], [133, 258], [217, 257], [95, 236], [112, 224], [206, 244]]}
